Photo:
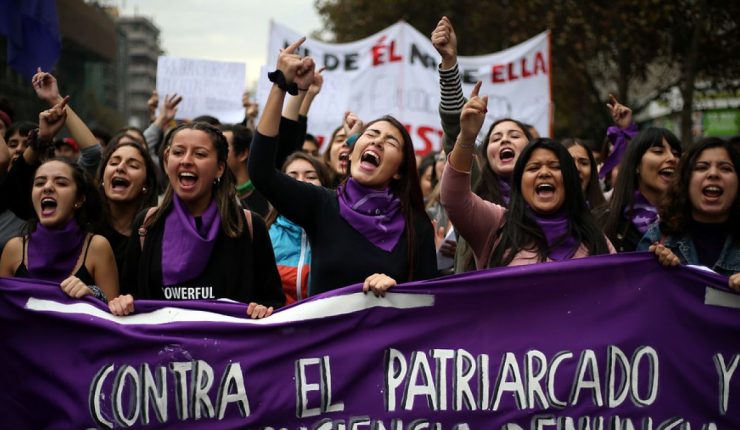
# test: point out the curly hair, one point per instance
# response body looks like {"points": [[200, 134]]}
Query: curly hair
{"points": [[676, 208]]}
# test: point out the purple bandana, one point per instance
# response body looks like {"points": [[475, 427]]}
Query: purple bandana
{"points": [[375, 214], [620, 138], [643, 213], [53, 253], [185, 247], [555, 226]]}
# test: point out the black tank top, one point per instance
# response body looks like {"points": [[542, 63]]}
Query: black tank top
{"points": [[82, 273]]}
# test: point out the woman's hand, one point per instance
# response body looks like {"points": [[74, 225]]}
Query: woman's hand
{"points": [[621, 114], [352, 124], [169, 109], [75, 288], [473, 114], [378, 283], [52, 120], [293, 65], [46, 87], [735, 282], [257, 311], [318, 81], [121, 305], [445, 42], [665, 256]]}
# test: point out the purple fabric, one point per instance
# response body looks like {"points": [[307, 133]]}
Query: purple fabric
{"points": [[643, 213], [32, 31], [53, 253], [375, 214], [67, 366], [556, 226], [505, 187], [185, 247], [620, 138]]}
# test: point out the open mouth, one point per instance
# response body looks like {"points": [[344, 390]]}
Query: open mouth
{"points": [[370, 157], [666, 173], [119, 183], [344, 156], [48, 206], [187, 179], [712, 191], [545, 190], [506, 154]]}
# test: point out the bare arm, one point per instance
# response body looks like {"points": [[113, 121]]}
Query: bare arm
{"points": [[104, 270]]}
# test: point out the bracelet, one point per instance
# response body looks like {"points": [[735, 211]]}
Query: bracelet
{"points": [[36, 143], [465, 146], [278, 78], [98, 293], [352, 139]]}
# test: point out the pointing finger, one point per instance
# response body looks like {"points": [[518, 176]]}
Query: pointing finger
{"points": [[476, 88], [293, 46]]}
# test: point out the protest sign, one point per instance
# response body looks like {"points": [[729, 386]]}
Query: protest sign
{"points": [[395, 72], [207, 87], [608, 342]]}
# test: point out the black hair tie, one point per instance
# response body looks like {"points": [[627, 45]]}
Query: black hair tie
{"points": [[277, 77]]}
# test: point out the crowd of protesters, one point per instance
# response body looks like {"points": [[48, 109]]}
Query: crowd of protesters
{"points": [[250, 212]]}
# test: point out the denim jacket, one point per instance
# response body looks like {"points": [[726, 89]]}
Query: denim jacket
{"points": [[682, 245]]}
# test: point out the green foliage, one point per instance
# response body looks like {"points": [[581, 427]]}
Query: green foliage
{"points": [[635, 49]]}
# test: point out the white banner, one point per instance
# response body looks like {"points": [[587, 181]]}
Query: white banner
{"points": [[395, 72], [207, 87]]}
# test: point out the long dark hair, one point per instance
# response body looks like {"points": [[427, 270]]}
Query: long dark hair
{"points": [[89, 214], [406, 187], [593, 194], [322, 171], [145, 199], [676, 208], [521, 231], [628, 179], [232, 218], [488, 185]]}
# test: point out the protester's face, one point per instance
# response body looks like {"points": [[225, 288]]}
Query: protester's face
{"points": [[233, 159], [303, 171], [426, 181], [66, 151], [192, 166], [656, 168], [504, 146], [377, 155], [583, 164], [54, 194], [713, 186], [542, 182], [17, 144], [339, 153], [309, 147], [124, 176]]}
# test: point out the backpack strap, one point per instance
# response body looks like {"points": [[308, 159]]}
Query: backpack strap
{"points": [[142, 230], [248, 215]]}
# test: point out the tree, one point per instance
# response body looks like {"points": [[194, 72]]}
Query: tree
{"points": [[634, 49]]}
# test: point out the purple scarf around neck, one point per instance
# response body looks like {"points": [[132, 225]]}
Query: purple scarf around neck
{"points": [[620, 138], [53, 253], [555, 226], [186, 248], [643, 213], [505, 188], [374, 213]]}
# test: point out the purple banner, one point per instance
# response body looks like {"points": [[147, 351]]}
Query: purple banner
{"points": [[610, 342]]}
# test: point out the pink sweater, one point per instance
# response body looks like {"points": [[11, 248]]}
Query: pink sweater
{"points": [[478, 220]]}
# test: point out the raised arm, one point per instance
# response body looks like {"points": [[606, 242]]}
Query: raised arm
{"points": [[296, 200], [451, 94]]}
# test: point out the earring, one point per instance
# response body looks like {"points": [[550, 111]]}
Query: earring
{"points": [[77, 205], [217, 180], [144, 189], [102, 183]]}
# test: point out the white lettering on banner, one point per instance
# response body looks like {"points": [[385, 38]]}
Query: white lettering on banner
{"points": [[520, 379], [133, 392], [188, 293], [395, 72]]}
